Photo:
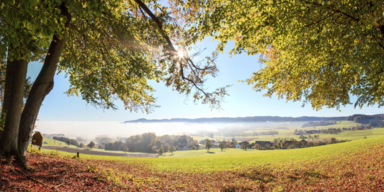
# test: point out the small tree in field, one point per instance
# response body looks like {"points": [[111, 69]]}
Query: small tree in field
{"points": [[160, 151], [245, 145], [91, 145], [208, 144], [234, 142], [81, 145], [125, 149], [222, 146], [250, 146], [68, 142], [172, 149]]}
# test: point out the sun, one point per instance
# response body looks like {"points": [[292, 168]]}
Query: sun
{"points": [[180, 54]]}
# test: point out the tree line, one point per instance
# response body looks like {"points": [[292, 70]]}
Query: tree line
{"points": [[320, 123], [288, 143], [365, 119], [150, 143], [68, 140]]}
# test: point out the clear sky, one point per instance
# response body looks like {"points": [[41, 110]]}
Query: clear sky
{"points": [[243, 101]]}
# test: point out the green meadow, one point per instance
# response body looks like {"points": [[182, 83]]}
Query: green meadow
{"points": [[201, 160], [232, 158]]}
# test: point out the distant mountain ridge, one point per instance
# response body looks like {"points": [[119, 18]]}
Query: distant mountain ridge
{"points": [[238, 119]]}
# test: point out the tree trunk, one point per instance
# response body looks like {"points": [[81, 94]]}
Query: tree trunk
{"points": [[41, 87], [13, 102]]}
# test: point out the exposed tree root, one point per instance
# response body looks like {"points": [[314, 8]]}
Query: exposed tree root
{"points": [[14, 155]]}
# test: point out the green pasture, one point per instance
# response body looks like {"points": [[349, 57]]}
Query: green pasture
{"points": [[201, 160]]}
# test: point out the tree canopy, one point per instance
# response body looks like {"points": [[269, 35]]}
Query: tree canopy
{"points": [[317, 52], [109, 49]]}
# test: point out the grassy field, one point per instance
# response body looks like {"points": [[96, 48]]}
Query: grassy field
{"points": [[237, 158], [344, 135], [350, 166]]}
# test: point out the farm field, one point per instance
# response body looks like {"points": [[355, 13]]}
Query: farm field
{"points": [[352, 166]]}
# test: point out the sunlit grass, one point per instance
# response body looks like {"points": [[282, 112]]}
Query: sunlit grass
{"points": [[237, 158]]}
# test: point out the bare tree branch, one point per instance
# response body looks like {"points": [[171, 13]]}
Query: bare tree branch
{"points": [[196, 71]]}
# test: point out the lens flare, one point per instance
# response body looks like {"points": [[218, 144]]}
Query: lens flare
{"points": [[180, 54]]}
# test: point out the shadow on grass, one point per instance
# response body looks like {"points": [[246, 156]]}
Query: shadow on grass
{"points": [[306, 175], [263, 176], [315, 174], [211, 152]]}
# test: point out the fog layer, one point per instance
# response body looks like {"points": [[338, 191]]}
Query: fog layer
{"points": [[92, 129]]}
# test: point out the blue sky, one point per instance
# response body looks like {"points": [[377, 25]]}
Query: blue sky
{"points": [[243, 101]]}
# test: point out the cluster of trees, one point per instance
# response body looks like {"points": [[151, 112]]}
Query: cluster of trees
{"points": [[208, 144], [287, 143], [149, 142], [290, 143], [309, 136], [245, 145], [376, 123], [320, 123], [114, 146], [363, 119], [68, 141], [370, 120], [331, 131], [228, 143]]}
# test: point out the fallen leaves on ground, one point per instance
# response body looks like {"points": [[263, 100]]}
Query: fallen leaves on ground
{"points": [[51, 173]]}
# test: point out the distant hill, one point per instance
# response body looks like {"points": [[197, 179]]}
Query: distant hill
{"points": [[365, 119], [238, 119]]}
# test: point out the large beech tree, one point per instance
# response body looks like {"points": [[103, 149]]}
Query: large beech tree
{"points": [[315, 51], [109, 49]]}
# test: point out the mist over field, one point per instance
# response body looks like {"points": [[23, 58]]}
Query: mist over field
{"points": [[91, 129]]}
